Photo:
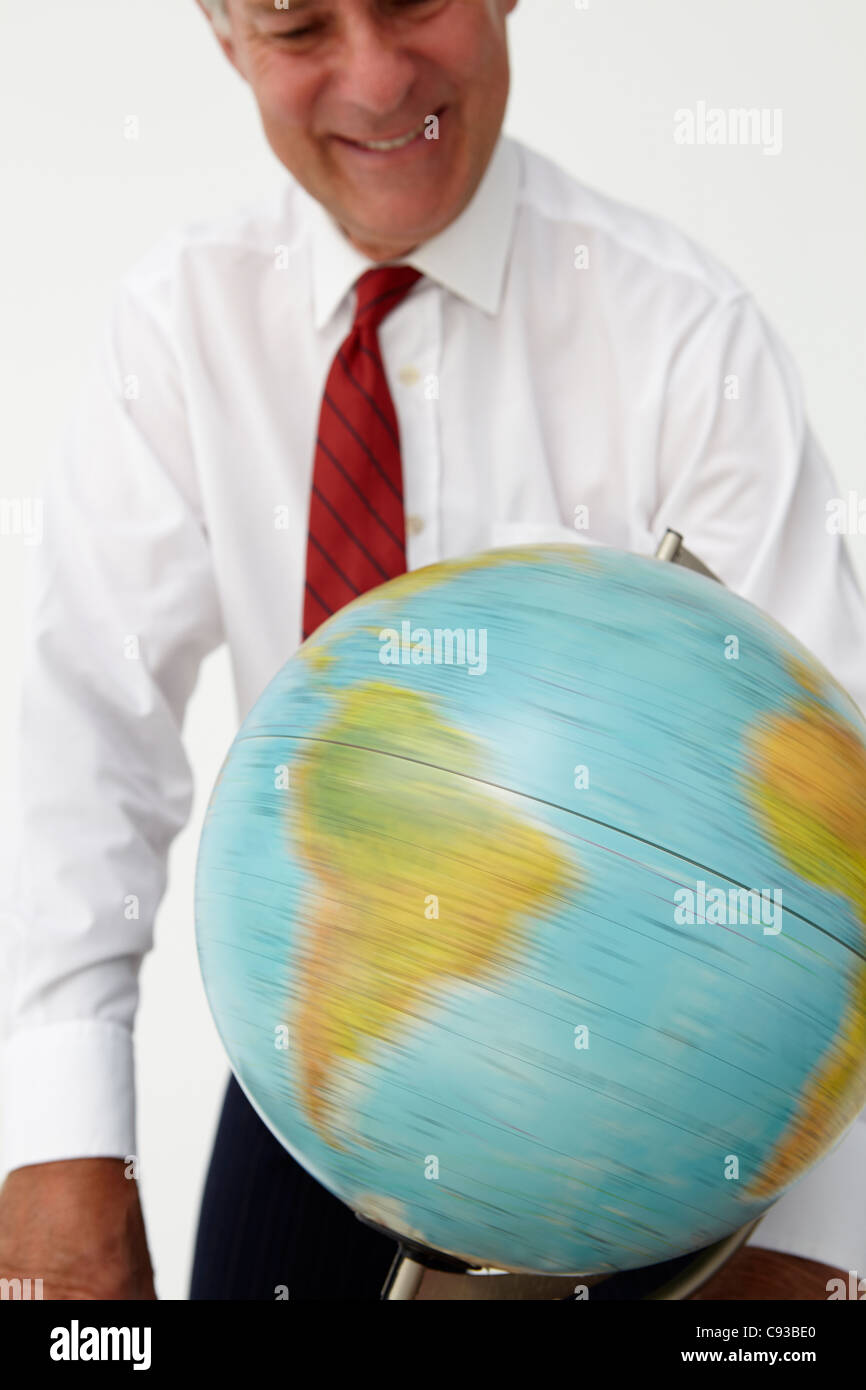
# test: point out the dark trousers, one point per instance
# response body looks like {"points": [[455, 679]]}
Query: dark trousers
{"points": [[266, 1225]]}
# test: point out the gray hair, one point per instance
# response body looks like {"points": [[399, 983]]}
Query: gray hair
{"points": [[219, 16]]}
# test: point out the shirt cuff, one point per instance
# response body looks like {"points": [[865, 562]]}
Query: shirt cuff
{"points": [[68, 1091], [823, 1216]]}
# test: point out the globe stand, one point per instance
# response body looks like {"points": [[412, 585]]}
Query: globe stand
{"points": [[419, 1273], [671, 548]]}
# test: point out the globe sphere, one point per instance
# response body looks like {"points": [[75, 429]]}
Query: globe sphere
{"points": [[531, 908]]}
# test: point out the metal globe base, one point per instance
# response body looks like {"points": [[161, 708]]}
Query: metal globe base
{"points": [[419, 1273]]}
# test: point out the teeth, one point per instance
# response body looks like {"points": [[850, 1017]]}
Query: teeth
{"points": [[390, 144]]}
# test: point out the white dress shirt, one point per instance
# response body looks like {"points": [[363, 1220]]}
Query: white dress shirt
{"points": [[561, 351]]}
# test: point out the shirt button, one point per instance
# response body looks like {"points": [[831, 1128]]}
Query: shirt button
{"points": [[410, 376], [414, 525]]}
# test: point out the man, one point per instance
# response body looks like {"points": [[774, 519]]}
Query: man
{"points": [[538, 358]]}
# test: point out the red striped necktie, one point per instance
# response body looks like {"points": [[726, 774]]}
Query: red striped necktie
{"points": [[356, 537]]}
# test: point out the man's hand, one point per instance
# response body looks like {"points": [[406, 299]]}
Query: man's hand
{"points": [[77, 1225]]}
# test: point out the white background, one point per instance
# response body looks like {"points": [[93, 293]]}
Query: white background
{"points": [[594, 88]]}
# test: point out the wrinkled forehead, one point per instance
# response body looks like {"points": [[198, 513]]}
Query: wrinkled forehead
{"points": [[218, 9]]}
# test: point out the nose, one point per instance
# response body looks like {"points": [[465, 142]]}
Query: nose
{"points": [[375, 70]]}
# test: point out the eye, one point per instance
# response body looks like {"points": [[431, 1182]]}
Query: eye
{"points": [[291, 35], [308, 30]]}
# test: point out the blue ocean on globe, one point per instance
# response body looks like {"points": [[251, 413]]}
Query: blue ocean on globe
{"points": [[550, 955]]}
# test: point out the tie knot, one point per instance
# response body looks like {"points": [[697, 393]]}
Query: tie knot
{"points": [[380, 290]]}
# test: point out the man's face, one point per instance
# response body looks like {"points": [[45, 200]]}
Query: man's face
{"points": [[327, 74]]}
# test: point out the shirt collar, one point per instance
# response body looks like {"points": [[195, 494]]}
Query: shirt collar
{"points": [[469, 256]]}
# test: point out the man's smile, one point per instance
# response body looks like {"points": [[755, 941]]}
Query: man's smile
{"points": [[386, 111], [389, 144]]}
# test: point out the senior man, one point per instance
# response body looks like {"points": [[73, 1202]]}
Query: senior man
{"points": [[431, 340]]}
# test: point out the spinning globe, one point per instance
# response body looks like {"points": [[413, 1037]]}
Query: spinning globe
{"points": [[531, 908]]}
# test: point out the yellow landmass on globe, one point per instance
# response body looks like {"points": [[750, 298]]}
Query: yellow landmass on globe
{"points": [[392, 839], [317, 650], [318, 658], [431, 576], [807, 785]]}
